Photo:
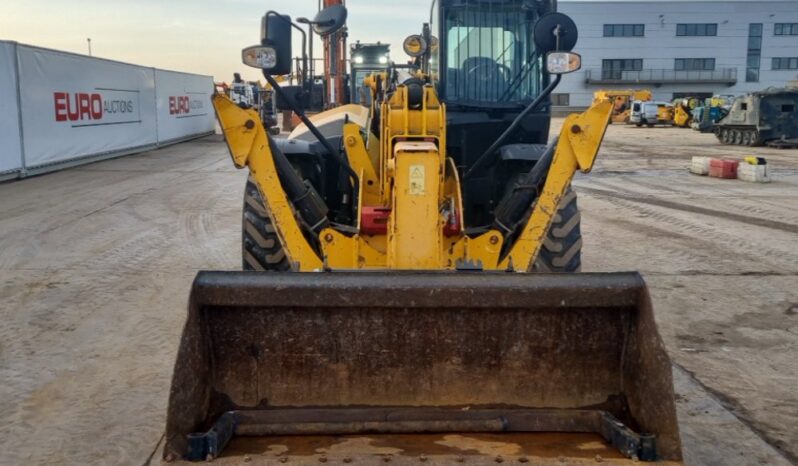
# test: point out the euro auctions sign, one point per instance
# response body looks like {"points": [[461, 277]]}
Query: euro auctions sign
{"points": [[182, 106], [77, 106], [100, 106]]}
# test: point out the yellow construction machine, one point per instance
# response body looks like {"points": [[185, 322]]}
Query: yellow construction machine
{"points": [[683, 111], [621, 101], [392, 307]]}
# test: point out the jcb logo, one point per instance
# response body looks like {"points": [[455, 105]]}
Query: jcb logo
{"points": [[179, 105]]}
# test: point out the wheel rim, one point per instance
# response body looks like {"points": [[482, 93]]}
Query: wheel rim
{"points": [[738, 137], [724, 134], [747, 138]]}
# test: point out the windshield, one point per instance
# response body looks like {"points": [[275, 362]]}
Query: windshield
{"points": [[490, 54]]}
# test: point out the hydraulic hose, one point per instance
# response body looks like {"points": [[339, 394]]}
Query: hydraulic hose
{"points": [[310, 206], [515, 206]]}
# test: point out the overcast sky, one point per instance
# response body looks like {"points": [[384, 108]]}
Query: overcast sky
{"points": [[198, 36]]}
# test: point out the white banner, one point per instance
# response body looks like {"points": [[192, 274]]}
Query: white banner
{"points": [[10, 146], [75, 106], [183, 105]]}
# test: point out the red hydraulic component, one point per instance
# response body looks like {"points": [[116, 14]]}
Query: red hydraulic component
{"points": [[374, 220], [453, 226]]}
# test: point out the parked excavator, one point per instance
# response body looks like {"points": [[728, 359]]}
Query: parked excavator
{"points": [[394, 306], [621, 101], [683, 111]]}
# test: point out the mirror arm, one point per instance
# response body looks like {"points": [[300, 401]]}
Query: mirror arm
{"points": [[516, 122], [304, 43]]}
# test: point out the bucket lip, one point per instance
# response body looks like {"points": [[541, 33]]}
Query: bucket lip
{"points": [[418, 289]]}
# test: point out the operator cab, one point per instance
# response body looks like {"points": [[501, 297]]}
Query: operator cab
{"points": [[486, 59], [490, 62], [488, 55]]}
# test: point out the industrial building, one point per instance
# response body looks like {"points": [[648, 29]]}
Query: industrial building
{"points": [[679, 48]]}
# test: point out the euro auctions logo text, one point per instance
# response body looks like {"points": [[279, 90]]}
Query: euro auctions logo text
{"points": [[183, 105], [96, 108]]}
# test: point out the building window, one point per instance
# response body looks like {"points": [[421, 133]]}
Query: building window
{"points": [[754, 52], [614, 69], [786, 29], [700, 29], [561, 100], [785, 63], [694, 64], [624, 30]]}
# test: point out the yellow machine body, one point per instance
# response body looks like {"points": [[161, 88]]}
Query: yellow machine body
{"points": [[683, 111], [413, 178], [415, 341]]}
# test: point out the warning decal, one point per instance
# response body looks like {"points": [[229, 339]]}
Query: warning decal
{"points": [[417, 176]]}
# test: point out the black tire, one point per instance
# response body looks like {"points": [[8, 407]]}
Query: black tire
{"points": [[260, 246], [756, 139], [725, 135], [561, 251]]}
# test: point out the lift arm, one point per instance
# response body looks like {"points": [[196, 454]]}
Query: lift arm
{"points": [[249, 146], [580, 140]]}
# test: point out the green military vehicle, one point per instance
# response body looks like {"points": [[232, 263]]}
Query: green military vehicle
{"points": [[764, 117]]}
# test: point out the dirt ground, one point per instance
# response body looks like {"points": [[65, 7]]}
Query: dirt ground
{"points": [[96, 264]]}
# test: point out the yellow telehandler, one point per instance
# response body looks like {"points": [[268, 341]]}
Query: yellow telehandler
{"points": [[409, 294]]}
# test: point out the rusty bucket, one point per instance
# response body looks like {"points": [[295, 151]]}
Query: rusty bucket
{"points": [[374, 353]]}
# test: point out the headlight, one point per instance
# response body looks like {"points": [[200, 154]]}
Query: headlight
{"points": [[563, 62], [383, 59], [259, 56], [415, 45], [358, 59]]}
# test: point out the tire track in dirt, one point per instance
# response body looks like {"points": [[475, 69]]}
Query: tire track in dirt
{"points": [[786, 260], [628, 196], [114, 276], [697, 254]]}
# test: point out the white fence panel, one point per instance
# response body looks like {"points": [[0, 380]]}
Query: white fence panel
{"points": [[76, 107], [10, 145], [183, 105]]}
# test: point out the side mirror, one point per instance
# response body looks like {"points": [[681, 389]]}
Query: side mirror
{"points": [[555, 32], [329, 20], [273, 56], [563, 62]]}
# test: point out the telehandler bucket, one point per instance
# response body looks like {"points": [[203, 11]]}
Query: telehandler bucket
{"points": [[421, 367]]}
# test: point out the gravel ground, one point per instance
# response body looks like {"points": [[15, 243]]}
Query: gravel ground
{"points": [[96, 264]]}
